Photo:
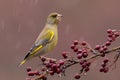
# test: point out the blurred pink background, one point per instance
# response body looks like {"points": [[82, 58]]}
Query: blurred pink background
{"points": [[22, 20]]}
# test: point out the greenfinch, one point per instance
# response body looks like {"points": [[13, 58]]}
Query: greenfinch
{"points": [[47, 39]]}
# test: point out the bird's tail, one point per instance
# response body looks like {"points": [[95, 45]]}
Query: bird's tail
{"points": [[22, 62]]}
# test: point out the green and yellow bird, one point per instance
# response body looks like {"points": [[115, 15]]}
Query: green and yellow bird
{"points": [[47, 39]]}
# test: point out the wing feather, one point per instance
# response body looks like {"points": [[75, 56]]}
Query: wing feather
{"points": [[40, 43]]}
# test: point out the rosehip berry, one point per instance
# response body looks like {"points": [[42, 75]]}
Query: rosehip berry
{"points": [[83, 65], [110, 35], [97, 47], [106, 60], [77, 76], [28, 69], [108, 43], [31, 73], [109, 39], [84, 55], [75, 49], [75, 42], [81, 62], [73, 46], [101, 69], [36, 72], [58, 70], [101, 50], [54, 66], [109, 30], [61, 62], [84, 51], [106, 69], [79, 56], [103, 64], [64, 54], [79, 51], [116, 34], [51, 72], [43, 69], [88, 63], [104, 48], [43, 59], [58, 65], [48, 65], [87, 69], [83, 43]]}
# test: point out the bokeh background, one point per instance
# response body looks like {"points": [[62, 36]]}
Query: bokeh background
{"points": [[22, 20]]}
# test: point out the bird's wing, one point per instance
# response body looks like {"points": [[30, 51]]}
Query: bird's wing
{"points": [[41, 42]]}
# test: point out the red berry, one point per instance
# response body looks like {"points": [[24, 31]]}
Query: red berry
{"points": [[31, 73], [116, 34], [79, 56], [83, 43], [84, 55], [43, 69], [64, 54], [109, 30], [77, 76], [75, 49], [106, 69], [104, 48], [109, 39], [48, 65], [81, 62], [103, 64], [110, 35], [58, 65], [51, 72], [73, 46], [61, 62], [84, 65], [36, 72], [106, 60], [28, 69], [108, 43], [101, 50], [87, 69], [54, 66], [79, 51], [101, 69], [75, 42], [58, 71], [97, 47], [84, 51], [88, 63], [43, 59]]}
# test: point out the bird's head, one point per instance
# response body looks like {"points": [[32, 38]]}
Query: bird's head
{"points": [[54, 18]]}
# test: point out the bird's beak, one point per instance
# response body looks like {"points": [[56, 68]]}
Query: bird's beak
{"points": [[59, 17]]}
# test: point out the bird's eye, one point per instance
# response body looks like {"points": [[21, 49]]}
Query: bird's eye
{"points": [[54, 16]]}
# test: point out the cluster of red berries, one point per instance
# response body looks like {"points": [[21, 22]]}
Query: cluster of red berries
{"points": [[85, 68], [54, 66], [32, 73], [81, 49], [104, 67], [112, 35]]}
